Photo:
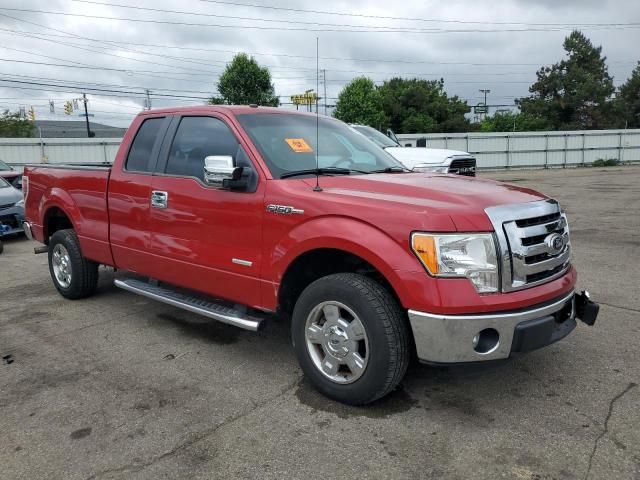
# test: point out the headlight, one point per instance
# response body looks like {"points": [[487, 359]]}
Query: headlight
{"points": [[471, 255], [431, 168], [19, 203]]}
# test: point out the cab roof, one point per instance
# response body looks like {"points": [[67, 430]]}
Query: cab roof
{"points": [[232, 109]]}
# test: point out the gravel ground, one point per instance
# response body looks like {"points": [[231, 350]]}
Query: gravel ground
{"points": [[117, 386]]}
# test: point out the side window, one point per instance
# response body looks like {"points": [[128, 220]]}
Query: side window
{"points": [[197, 138], [139, 156]]}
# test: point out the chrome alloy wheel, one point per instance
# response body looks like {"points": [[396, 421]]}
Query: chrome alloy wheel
{"points": [[337, 342], [61, 265]]}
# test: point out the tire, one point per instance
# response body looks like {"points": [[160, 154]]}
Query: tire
{"points": [[386, 352], [73, 275], [1, 247]]}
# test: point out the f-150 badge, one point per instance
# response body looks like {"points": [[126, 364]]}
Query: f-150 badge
{"points": [[284, 209]]}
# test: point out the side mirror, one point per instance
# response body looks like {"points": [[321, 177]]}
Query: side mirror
{"points": [[219, 170]]}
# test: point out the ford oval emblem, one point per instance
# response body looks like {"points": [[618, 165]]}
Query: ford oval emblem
{"points": [[555, 243]]}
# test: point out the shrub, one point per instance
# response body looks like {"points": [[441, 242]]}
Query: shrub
{"points": [[605, 162]]}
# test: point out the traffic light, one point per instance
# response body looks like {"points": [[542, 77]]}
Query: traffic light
{"points": [[31, 114], [68, 108]]}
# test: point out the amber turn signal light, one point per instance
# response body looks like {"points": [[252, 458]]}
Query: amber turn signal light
{"points": [[424, 246]]}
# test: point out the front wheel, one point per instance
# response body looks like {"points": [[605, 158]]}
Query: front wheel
{"points": [[351, 338], [73, 275]]}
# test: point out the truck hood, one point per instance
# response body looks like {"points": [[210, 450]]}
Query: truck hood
{"points": [[445, 199], [411, 156]]}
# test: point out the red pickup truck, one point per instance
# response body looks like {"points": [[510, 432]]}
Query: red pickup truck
{"points": [[239, 212]]}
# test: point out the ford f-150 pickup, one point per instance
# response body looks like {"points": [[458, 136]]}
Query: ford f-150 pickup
{"points": [[237, 213]]}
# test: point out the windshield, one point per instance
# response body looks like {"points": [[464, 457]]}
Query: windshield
{"points": [[3, 183], [287, 143], [375, 136], [4, 166]]}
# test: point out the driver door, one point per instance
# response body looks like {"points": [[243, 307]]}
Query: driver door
{"points": [[206, 237]]}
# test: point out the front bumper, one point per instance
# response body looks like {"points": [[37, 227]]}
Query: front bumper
{"points": [[11, 220], [472, 338]]}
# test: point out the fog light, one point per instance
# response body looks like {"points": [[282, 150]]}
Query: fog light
{"points": [[486, 341]]}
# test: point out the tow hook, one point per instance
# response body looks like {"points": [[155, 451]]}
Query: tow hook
{"points": [[586, 309]]}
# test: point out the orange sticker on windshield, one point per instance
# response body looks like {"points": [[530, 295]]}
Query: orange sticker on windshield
{"points": [[298, 145]]}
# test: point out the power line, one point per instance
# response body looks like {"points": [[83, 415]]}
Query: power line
{"points": [[386, 17], [83, 83], [302, 22], [93, 51], [151, 72], [108, 69], [38, 37], [298, 29], [24, 82], [285, 55]]}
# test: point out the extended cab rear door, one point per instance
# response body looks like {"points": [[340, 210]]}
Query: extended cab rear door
{"points": [[205, 237], [130, 194]]}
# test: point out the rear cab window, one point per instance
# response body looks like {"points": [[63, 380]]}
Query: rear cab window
{"points": [[141, 157]]}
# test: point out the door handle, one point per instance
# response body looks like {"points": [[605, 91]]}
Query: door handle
{"points": [[159, 199]]}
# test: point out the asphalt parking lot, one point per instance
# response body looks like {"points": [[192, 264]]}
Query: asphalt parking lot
{"points": [[117, 386]]}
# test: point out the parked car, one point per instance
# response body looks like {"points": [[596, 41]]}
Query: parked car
{"points": [[422, 159], [11, 209], [240, 213], [11, 175]]}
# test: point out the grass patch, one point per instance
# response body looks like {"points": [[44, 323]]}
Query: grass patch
{"points": [[605, 162]]}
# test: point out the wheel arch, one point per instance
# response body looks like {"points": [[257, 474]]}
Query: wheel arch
{"points": [[58, 211], [309, 255], [54, 219]]}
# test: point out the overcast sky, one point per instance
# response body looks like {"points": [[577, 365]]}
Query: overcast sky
{"points": [[494, 45]]}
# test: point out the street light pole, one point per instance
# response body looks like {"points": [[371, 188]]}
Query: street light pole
{"points": [[485, 91], [86, 115], [324, 82]]}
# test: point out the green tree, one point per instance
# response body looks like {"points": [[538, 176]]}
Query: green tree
{"points": [[421, 106], [13, 125], [514, 122], [245, 82], [576, 92], [628, 100], [360, 102]]}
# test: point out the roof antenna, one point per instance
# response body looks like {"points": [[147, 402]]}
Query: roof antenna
{"points": [[317, 188]]}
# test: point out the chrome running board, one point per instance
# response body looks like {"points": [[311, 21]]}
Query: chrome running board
{"points": [[207, 308]]}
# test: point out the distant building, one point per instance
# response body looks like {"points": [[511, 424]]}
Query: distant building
{"points": [[75, 129]]}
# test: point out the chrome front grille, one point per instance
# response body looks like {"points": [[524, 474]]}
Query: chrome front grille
{"points": [[533, 243]]}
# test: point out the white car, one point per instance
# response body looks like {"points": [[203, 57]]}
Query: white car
{"points": [[421, 159]]}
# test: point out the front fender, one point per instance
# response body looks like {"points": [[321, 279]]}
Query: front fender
{"points": [[350, 235]]}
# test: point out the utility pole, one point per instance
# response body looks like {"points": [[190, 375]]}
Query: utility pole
{"points": [[86, 115], [324, 82], [147, 101], [485, 91]]}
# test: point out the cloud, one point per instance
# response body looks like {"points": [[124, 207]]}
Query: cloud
{"points": [[129, 58]]}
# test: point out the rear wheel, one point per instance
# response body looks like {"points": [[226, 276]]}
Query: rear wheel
{"points": [[73, 275], [351, 338]]}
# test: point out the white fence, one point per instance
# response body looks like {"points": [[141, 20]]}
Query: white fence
{"points": [[492, 150], [20, 151], [537, 149]]}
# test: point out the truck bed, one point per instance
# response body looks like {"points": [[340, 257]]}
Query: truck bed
{"points": [[78, 190]]}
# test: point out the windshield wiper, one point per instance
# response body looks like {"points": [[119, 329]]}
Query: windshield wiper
{"points": [[391, 170], [319, 171]]}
